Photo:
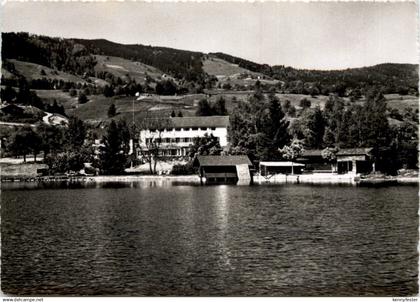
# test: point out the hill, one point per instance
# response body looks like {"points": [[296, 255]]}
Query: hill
{"points": [[125, 69], [178, 63], [88, 59]]}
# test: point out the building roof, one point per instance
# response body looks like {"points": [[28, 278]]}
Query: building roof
{"points": [[341, 152], [221, 160], [280, 164], [354, 151], [199, 121], [313, 152]]}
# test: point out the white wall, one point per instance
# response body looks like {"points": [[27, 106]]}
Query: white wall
{"points": [[220, 132]]}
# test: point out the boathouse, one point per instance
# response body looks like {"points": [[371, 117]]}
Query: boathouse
{"points": [[314, 162], [354, 160], [268, 168], [349, 160], [224, 169]]}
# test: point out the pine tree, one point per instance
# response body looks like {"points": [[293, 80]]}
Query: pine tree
{"points": [[112, 111], [113, 156]]}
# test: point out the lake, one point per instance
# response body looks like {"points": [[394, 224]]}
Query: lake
{"points": [[167, 238]]}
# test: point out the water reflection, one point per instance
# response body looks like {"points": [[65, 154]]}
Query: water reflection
{"points": [[160, 239]]}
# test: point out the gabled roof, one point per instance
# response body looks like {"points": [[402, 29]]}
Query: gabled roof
{"points": [[354, 151], [221, 160], [341, 152], [200, 121], [314, 152]]}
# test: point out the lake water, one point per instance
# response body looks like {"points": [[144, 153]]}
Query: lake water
{"points": [[163, 238]]}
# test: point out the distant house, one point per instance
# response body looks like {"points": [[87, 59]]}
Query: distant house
{"points": [[224, 169], [314, 162], [280, 167], [12, 109], [350, 160], [179, 132], [355, 160]]}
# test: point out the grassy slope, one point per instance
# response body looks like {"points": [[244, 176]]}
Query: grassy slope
{"points": [[218, 67], [121, 67], [32, 71], [226, 71], [400, 102]]}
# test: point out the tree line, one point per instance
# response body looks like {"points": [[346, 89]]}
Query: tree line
{"points": [[67, 148], [260, 129]]}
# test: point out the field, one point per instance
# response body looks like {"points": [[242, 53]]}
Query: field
{"points": [[33, 71], [218, 67], [231, 73], [121, 68], [400, 102]]}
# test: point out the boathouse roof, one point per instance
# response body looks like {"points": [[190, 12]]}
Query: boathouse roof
{"points": [[221, 160], [280, 164], [341, 152], [354, 151]]}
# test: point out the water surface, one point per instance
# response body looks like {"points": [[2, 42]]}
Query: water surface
{"points": [[160, 238]]}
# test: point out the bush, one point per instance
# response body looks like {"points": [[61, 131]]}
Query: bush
{"points": [[186, 169], [83, 98]]}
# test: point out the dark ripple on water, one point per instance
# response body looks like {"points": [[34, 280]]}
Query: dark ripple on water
{"points": [[219, 240]]}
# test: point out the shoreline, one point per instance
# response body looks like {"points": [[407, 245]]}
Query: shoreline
{"points": [[319, 178]]}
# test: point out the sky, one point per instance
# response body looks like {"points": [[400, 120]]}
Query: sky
{"points": [[302, 35]]}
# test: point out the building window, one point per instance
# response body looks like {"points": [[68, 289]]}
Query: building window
{"points": [[186, 129], [167, 140], [177, 129], [194, 128], [177, 140], [170, 129], [203, 128], [213, 128]]}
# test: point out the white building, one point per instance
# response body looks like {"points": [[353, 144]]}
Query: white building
{"points": [[178, 134]]}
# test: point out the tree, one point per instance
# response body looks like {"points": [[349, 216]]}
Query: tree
{"points": [[69, 160], [152, 140], [330, 154], [180, 114], [52, 139], [25, 141], [272, 130], [219, 107], [313, 127], [76, 133], [207, 145], [173, 114], [82, 98], [166, 87], [204, 108], [305, 103], [73, 92], [108, 91], [8, 94], [112, 111], [286, 105], [292, 151], [114, 152]]}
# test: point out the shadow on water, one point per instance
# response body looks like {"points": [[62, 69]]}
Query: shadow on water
{"points": [[169, 238], [153, 183]]}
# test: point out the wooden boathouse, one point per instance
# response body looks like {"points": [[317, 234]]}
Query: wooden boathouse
{"points": [[234, 169]]}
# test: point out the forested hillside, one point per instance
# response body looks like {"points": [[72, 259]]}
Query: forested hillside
{"points": [[389, 78], [179, 63]]}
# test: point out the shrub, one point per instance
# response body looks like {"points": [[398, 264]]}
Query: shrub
{"points": [[186, 169]]}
